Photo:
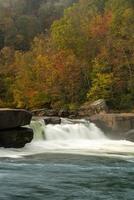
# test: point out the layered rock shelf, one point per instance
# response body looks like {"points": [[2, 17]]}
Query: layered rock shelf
{"points": [[12, 118], [15, 138], [12, 132], [115, 126]]}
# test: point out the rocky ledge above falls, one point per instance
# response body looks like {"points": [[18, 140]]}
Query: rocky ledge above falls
{"points": [[12, 118], [12, 132], [115, 126]]}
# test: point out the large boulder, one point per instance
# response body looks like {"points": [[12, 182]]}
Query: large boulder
{"points": [[15, 138], [89, 109], [116, 126], [12, 118]]}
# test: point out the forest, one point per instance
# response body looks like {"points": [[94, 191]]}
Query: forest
{"points": [[66, 52]]}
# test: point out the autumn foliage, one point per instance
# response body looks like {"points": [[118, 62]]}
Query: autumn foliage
{"points": [[87, 54]]}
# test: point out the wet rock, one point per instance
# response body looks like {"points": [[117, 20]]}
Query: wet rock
{"points": [[12, 118], [63, 112], [52, 120], [114, 125], [130, 135], [15, 138]]}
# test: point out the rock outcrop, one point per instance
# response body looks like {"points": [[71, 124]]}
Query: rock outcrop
{"points": [[52, 120], [115, 126], [55, 113], [86, 110], [12, 132], [89, 109], [15, 138], [12, 118]]}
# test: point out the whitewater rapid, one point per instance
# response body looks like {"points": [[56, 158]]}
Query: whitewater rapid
{"points": [[71, 137]]}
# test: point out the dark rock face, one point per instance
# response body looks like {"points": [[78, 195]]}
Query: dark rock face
{"points": [[15, 138], [89, 109], [52, 120], [12, 118], [12, 135], [115, 126]]}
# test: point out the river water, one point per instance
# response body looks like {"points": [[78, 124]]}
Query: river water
{"points": [[68, 162]]}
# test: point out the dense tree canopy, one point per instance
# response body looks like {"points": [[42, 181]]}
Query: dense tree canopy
{"points": [[64, 60], [22, 20]]}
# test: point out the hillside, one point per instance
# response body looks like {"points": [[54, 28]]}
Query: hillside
{"points": [[63, 60]]}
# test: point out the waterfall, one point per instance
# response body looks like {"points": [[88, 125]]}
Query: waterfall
{"points": [[38, 127], [67, 130], [71, 137]]}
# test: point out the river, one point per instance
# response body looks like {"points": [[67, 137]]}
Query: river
{"points": [[71, 161]]}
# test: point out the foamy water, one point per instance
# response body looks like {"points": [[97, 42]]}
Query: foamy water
{"points": [[73, 161], [82, 138]]}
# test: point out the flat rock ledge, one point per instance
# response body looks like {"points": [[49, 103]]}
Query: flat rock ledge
{"points": [[12, 132], [12, 118], [115, 126]]}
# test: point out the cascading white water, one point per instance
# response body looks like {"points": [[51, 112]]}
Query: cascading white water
{"points": [[73, 137], [73, 132], [67, 130], [38, 127]]}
